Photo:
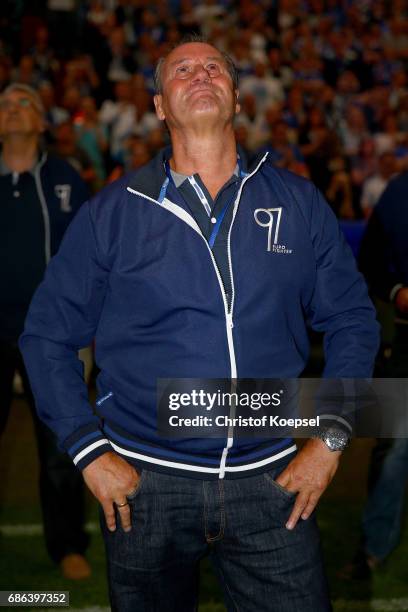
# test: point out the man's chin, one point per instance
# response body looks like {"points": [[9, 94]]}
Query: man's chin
{"points": [[204, 105]]}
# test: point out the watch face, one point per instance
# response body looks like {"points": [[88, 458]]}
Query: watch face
{"points": [[335, 439]]}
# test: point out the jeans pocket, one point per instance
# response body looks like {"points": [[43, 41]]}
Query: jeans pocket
{"points": [[138, 488], [271, 480]]}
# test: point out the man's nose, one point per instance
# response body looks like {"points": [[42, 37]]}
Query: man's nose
{"points": [[200, 73]]}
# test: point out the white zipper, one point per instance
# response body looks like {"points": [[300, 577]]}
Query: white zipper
{"points": [[44, 209], [231, 350], [229, 322]]}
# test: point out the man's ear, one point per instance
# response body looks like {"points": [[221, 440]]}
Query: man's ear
{"points": [[158, 100], [237, 104]]}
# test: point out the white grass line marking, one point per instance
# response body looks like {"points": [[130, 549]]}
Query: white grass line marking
{"points": [[396, 604], [36, 529]]}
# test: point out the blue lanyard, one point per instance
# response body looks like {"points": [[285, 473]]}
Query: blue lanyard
{"points": [[220, 218], [202, 197]]}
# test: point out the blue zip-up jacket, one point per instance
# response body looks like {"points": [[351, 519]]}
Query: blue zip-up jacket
{"points": [[37, 207], [135, 273]]}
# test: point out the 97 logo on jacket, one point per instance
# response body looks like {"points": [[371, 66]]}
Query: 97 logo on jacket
{"points": [[63, 193], [270, 218]]}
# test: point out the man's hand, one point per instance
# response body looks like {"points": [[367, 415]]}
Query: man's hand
{"points": [[110, 478], [308, 475], [401, 300]]}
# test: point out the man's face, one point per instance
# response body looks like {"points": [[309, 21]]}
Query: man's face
{"points": [[19, 115], [196, 87]]}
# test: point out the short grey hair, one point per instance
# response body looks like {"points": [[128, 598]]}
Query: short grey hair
{"points": [[30, 91], [193, 38]]}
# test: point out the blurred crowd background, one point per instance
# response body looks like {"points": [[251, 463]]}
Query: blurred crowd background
{"points": [[323, 83]]}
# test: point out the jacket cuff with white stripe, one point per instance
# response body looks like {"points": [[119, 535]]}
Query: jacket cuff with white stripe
{"points": [[86, 444], [337, 403], [344, 423]]}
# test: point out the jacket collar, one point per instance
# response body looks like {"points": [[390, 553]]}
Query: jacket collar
{"points": [[41, 157], [149, 178]]}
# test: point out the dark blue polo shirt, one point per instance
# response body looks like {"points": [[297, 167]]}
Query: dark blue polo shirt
{"points": [[226, 194]]}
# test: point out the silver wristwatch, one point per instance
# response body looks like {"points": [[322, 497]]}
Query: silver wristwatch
{"points": [[335, 439]]}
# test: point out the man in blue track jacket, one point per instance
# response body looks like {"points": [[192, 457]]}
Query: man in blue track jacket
{"points": [[198, 267], [40, 195]]}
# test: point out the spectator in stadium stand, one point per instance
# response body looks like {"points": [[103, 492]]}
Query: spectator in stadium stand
{"points": [[26, 72], [294, 112], [119, 116], [121, 63], [254, 121], [80, 73], [137, 154], [208, 13], [308, 70], [265, 88], [374, 185], [71, 100], [91, 136], [339, 192], [318, 144], [396, 36], [363, 165], [398, 89], [43, 54], [66, 147], [54, 114], [388, 137], [345, 94], [375, 104], [240, 53], [97, 13], [289, 13], [146, 54], [278, 70], [151, 24], [353, 129], [147, 119], [282, 152], [40, 195]]}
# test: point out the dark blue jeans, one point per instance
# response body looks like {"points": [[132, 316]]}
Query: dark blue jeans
{"points": [[388, 475], [240, 523]]}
